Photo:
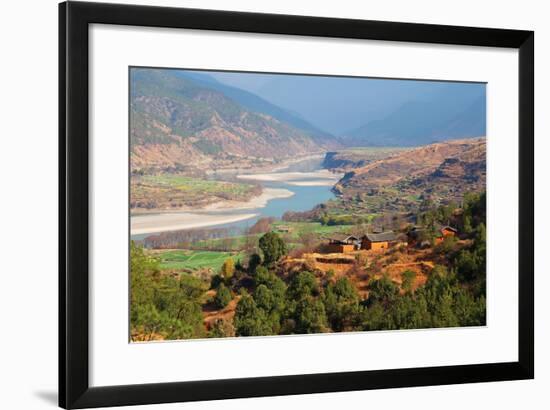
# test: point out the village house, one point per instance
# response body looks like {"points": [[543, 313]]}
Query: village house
{"points": [[444, 232], [448, 231], [419, 235], [342, 243], [284, 229], [377, 241]]}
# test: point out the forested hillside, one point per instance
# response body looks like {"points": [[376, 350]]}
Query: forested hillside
{"points": [[269, 294]]}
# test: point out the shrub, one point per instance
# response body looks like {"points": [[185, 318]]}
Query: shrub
{"points": [[382, 291], [223, 296], [253, 262], [228, 269], [407, 280], [222, 328], [216, 281]]}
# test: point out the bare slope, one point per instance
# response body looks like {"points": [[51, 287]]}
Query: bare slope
{"points": [[177, 125], [442, 172]]}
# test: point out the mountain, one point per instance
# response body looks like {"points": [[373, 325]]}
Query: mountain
{"points": [[254, 103], [451, 114], [357, 157], [178, 122], [342, 104], [337, 104], [441, 171]]}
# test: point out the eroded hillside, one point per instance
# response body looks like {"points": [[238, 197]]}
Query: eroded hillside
{"points": [[440, 172], [177, 125]]}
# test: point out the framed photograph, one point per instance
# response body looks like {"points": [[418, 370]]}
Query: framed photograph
{"points": [[256, 205]]}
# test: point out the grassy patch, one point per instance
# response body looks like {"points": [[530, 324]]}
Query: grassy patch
{"points": [[185, 259], [297, 228], [195, 185], [173, 191]]}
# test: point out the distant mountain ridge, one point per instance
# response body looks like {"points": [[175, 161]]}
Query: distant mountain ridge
{"points": [[415, 123], [182, 119], [178, 122], [255, 103]]}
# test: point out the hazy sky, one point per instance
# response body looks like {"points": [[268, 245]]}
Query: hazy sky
{"points": [[341, 104]]}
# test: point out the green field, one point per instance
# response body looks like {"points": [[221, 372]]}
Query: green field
{"points": [[298, 228], [173, 191], [199, 258], [185, 259], [195, 185]]}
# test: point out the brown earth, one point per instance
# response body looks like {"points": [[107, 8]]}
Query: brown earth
{"points": [[390, 262], [211, 313], [416, 163]]}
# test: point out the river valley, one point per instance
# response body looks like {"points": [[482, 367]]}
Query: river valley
{"points": [[299, 186]]}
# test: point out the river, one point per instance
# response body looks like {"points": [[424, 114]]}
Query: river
{"points": [[304, 184]]}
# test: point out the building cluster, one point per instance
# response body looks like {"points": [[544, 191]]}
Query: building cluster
{"points": [[344, 243]]}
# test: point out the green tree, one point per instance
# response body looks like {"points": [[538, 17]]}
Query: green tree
{"points": [[216, 281], [375, 317], [447, 246], [223, 296], [302, 285], [272, 302], [253, 262], [163, 306], [467, 224], [187, 323], [147, 319], [382, 291], [143, 269], [264, 298], [310, 316], [342, 305], [271, 281], [273, 248], [250, 320]]}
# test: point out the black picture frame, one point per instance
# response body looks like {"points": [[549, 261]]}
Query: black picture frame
{"points": [[74, 387]]}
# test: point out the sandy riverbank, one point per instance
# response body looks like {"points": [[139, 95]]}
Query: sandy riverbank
{"points": [[154, 223], [214, 214], [316, 182], [259, 201], [270, 167], [222, 212], [315, 178]]}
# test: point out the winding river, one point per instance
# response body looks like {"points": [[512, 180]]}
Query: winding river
{"points": [[297, 187]]}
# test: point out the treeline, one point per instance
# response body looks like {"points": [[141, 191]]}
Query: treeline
{"points": [[319, 214], [466, 216], [185, 239], [310, 305]]}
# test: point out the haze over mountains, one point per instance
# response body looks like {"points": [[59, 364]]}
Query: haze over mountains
{"points": [[182, 118], [369, 111]]}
